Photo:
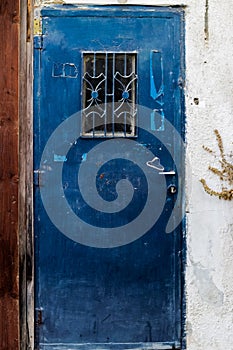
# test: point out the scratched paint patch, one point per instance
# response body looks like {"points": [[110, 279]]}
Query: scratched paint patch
{"points": [[157, 120], [84, 157], [59, 158], [64, 70]]}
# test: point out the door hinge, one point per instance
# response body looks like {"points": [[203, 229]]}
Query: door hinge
{"points": [[38, 42], [37, 26], [39, 316], [38, 37]]}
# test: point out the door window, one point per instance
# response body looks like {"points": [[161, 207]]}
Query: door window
{"points": [[109, 94]]}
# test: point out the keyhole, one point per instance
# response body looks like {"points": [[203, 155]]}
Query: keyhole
{"points": [[172, 189]]}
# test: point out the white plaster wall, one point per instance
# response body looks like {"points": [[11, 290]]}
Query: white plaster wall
{"points": [[209, 77], [209, 274]]}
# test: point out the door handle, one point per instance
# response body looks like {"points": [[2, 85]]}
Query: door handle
{"points": [[172, 172]]}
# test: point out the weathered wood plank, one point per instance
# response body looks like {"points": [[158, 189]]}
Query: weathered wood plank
{"points": [[9, 174], [26, 183]]}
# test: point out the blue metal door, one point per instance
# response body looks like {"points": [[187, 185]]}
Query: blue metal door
{"points": [[108, 178]]}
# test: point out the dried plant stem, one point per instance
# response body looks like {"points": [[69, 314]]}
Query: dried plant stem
{"points": [[225, 174]]}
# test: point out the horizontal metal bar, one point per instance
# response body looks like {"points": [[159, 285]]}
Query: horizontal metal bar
{"points": [[109, 52], [110, 346]]}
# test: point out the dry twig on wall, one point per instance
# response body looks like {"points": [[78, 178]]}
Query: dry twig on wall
{"points": [[225, 173]]}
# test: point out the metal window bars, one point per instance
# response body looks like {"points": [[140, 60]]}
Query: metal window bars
{"points": [[109, 93]]}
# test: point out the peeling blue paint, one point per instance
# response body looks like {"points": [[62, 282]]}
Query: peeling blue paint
{"points": [[157, 120], [156, 64], [84, 157], [58, 158], [64, 70], [155, 164]]}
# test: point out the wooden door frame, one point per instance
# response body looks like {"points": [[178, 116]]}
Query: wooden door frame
{"points": [[26, 245], [9, 174], [16, 246]]}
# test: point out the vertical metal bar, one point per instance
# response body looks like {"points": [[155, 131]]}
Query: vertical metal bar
{"points": [[93, 124], [106, 91], [83, 94], [125, 73], [125, 64], [94, 64], [94, 70], [113, 88]]}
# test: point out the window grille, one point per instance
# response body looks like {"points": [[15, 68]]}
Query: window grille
{"points": [[109, 93]]}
